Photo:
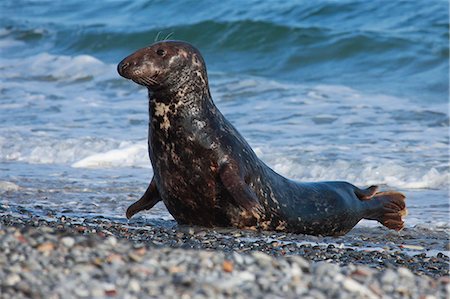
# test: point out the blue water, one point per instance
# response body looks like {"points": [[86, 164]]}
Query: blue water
{"points": [[322, 90]]}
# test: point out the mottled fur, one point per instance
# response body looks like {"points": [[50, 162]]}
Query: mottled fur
{"points": [[207, 174]]}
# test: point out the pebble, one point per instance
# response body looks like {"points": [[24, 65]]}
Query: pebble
{"points": [[227, 266], [388, 277], [130, 263], [355, 287], [134, 286], [238, 258], [81, 292], [12, 279], [303, 263], [404, 272], [68, 241], [111, 241], [46, 247], [247, 276], [135, 257], [261, 257]]}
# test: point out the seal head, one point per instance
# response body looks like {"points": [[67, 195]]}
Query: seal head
{"points": [[164, 65]]}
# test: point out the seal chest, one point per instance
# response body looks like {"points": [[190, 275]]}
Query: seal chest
{"points": [[207, 174]]}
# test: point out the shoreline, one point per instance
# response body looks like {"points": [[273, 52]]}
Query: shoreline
{"points": [[50, 257]]}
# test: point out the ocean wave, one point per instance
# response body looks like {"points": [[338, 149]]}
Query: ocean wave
{"points": [[100, 153], [309, 133], [49, 67], [392, 174], [403, 47], [318, 43], [81, 152], [125, 156]]}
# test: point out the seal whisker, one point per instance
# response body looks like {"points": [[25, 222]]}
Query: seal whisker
{"points": [[152, 79], [145, 81], [142, 81], [157, 36], [168, 35], [148, 81]]}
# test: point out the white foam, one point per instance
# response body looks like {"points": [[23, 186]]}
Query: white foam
{"points": [[10, 43], [371, 172], [63, 68], [128, 156], [4, 32], [89, 152], [303, 158], [8, 186], [81, 152]]}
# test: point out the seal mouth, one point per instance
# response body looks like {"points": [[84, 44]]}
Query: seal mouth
{"points": [[128, 72], [146, 81]]}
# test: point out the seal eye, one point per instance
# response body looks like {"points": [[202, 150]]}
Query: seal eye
{"points": [[160, 52]]}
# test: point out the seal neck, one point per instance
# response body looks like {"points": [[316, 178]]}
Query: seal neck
{"points": [[182, 83], [185, 93], [186, 101]]}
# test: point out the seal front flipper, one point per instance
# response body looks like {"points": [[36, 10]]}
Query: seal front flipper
{"points": [[234, 181], [146, 202]]}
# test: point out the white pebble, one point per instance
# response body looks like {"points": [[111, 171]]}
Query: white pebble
{"points": [[405, 272], [247, 276], [355, 287], [97, 292], [351, 285], [112, 241], [134, 285], [300, 261], [389, 277], [81, 292], [12, 279], [68, 241], [238, 258], [261, 256]]}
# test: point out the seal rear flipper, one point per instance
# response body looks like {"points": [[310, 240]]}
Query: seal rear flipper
{"points": [[234, 182], [391, 211], [146, 202], [366, 194]]}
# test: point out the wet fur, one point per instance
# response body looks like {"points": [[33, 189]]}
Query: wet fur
{"points": [[206, 173]]}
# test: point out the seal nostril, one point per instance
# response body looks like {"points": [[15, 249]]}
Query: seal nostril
{"points": [[122, 66]]}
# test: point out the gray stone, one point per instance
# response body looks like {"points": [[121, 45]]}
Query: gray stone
{"points": [[68, 241]]}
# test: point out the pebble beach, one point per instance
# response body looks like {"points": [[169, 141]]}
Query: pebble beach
{"points": [[62, 257], [322, 90]]}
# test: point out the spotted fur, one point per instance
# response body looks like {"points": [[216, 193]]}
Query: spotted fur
{"points": [[207, 174]]}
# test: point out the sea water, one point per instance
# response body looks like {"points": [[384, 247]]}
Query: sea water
{"points": [[322, 90]]}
